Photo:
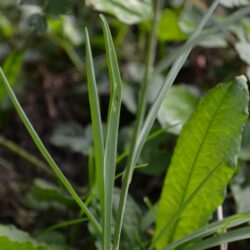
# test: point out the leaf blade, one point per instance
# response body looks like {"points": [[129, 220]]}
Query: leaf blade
{"points": [[215, 130], [112, 130]]}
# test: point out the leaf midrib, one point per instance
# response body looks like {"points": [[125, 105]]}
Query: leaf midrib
{"points": [[196, 159]]}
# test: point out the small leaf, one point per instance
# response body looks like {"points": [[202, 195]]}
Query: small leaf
{"points": [[44, 195], [73, 136], [11, 238], [129, 11], [177, 107], [211, 135], [168, 28]]}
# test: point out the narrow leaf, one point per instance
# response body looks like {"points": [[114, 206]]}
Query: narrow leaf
{"points": [[112, 130], [231, 236], [36, 139], [212, 228], [211, 135], [96, 121]]}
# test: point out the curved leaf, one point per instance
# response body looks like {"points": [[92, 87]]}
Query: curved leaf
{"points": [[129, 12], [11, 238], [212, 135]]}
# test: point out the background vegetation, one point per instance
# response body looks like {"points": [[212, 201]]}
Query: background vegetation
{"points": [[42, 52]]}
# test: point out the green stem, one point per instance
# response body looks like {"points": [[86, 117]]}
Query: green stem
{"points": [[36, 139], [25, 155], [138, 123]]}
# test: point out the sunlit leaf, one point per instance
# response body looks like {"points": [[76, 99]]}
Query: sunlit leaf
{"points": [[211, 135]]}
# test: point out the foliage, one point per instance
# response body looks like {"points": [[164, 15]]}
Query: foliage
{"points": [[136, 118], [207, 139]]}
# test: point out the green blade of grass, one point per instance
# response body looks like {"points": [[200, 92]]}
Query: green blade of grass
{"points": [[150, 121], [231, 236], [36, 139], [96, 122], [112, 131], [230, 222]]}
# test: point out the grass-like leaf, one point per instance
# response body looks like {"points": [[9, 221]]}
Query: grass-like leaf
{"points": [[230, 222], [96, 122], [231, 236], [36, 139], [211, 135], [112, 131]]}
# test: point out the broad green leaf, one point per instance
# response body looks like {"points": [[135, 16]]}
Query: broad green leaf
{"points": [[168, 28], [211, 136], [129, 11], [12, 239], [178, 105], [234, 3]]}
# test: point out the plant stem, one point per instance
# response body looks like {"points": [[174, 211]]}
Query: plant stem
{"points": [[25, 155], [223, 246], [150, 57]]}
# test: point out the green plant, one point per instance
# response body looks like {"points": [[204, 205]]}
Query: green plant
{"points": [[216, 129]]}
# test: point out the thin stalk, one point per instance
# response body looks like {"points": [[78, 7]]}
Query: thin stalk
{"points": [[36, 139], [139, 142], [223, 246], [63, 225], [24, 154], [140, 114]]}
